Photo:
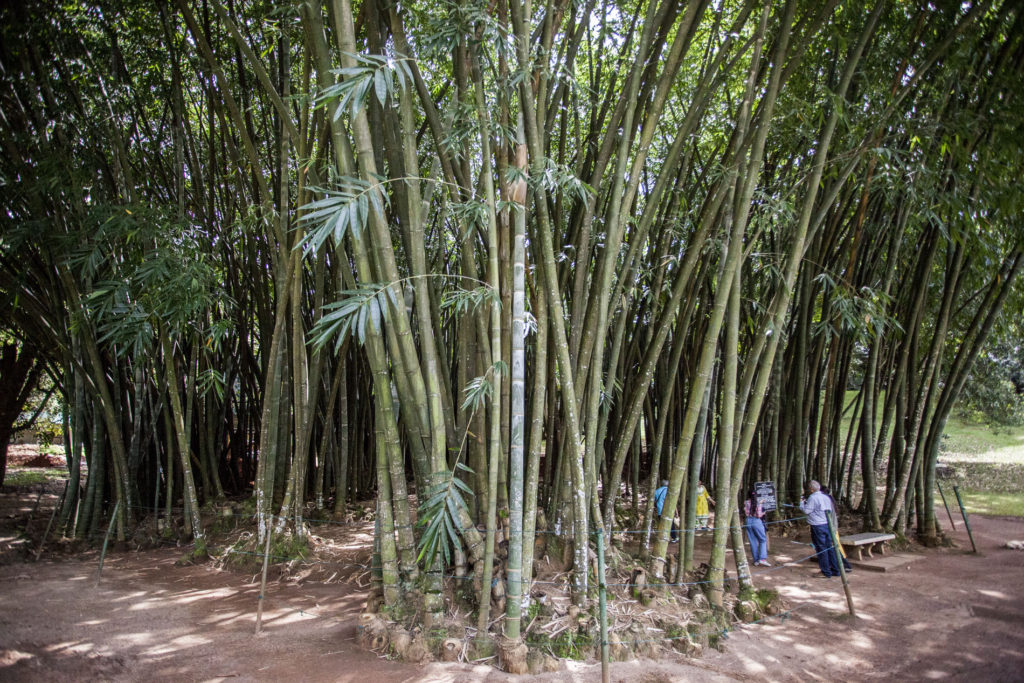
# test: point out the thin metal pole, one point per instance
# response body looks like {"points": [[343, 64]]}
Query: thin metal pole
{"points": [[106, 539], [963, 511], [839, 560], [263, 580], [948, 513], [602, 590]]}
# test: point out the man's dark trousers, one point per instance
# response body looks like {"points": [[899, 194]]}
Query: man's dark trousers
{"points": [[826, 553]]}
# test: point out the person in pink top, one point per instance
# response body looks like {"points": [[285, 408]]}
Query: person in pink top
{"points": [[754, 514]]}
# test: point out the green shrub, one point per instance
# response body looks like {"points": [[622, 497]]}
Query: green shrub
{"points": [[48, 434]]}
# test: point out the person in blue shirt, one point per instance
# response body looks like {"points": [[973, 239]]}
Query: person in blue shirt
{"points": [[659, 504], [815, 507], [838, 545]]}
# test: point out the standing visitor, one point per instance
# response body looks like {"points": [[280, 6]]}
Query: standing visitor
{"points": [[835, 535], [702, 506], [659, 503], [754, 514], [815, 507]]}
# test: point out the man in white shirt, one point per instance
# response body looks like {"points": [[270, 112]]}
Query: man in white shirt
{"points": [[815, 507]]}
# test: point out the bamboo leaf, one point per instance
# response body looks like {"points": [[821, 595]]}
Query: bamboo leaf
{"points": [[380, 87]]}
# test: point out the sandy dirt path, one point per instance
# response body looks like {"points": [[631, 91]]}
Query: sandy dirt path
{"points": [[950, 615]]}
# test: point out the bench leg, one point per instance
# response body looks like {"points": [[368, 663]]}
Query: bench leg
{"points": [[880, 547], [867, 549], [860, 557]]}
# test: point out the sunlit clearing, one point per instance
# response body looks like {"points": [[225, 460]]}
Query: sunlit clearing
{"points": [[139, 638], [861, 641], [752, 666], [228, 617], [202, 595], [12, 657], [999, 595], [133, 597], [76, 647], [479, 672], [794, 592], [352, 546], [292, 616], [179, 643], [578, 672]]}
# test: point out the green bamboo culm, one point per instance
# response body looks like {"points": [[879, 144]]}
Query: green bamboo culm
{"points": [[603, 605], [517, 438]]}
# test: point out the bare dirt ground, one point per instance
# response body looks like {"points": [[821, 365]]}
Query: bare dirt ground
{"points": [[950, 615]]}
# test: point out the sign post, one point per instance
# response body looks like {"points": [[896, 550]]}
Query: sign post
{"points": [[765, 491]]}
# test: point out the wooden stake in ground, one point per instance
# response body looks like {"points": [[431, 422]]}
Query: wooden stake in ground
{"points": [[839, 560], [56, 508], [963, 512], [106, 539], [945, 504]]}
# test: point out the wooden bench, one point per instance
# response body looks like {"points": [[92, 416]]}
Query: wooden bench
{"points": [[866, 542]]}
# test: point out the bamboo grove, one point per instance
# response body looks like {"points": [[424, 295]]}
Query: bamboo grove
{"points": [[502, 267]]}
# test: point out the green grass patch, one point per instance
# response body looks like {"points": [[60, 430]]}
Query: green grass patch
{"points": [[988, 503], [569, 644], [33, 476], [988, 464], [987, 477], [963, 438], [24, 478], [247, 554], [993, 443]]}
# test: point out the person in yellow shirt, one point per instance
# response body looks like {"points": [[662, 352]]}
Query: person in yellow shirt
{"points": [[703, 513]]}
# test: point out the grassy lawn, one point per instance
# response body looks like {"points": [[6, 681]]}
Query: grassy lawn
{"points": [[987, 461], [33, 476], [984, 503], [972, 442], [989, 467]]}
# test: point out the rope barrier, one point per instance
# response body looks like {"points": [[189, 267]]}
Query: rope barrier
{"points": [[225, 551], [720, 632], [315, 520]]}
